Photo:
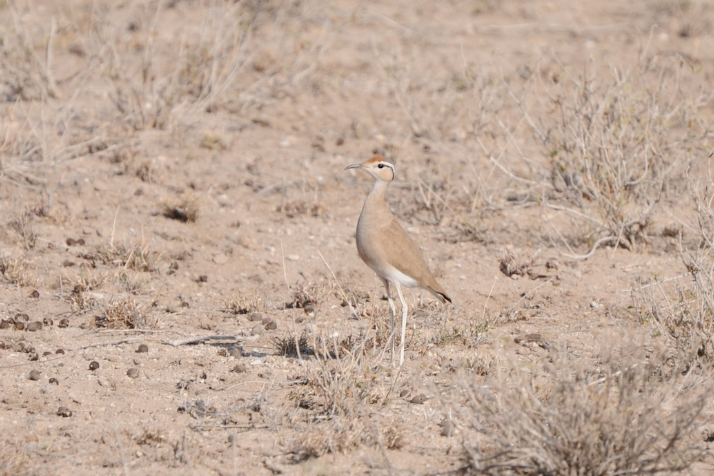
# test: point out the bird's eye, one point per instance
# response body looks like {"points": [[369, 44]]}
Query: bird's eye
{"points": [[381, 166]]}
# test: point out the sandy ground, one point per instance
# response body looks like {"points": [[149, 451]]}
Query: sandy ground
{"points": [[176, 170]]}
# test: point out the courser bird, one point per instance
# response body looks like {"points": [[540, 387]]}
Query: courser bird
{"points": [[385, 247]]}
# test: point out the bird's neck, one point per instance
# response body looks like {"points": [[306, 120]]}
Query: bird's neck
{"points": [[378, 194], [377, 199]]}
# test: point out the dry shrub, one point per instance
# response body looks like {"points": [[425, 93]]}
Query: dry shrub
{"points": [[682, 309], [570, 420], [153, 92], [25, 75], [615, 144]]}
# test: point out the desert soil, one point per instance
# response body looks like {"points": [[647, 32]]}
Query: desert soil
{"points": [[175, 170]]}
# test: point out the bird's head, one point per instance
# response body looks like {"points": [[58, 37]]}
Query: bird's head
{"points": [[377, 167]]}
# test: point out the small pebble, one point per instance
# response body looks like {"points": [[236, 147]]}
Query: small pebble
{"points": [[236, 352], [223, 352], [54, 381], [447, 427], [271, 325], [239, 369], [19, 325], [93, 365], [34, 356], [257, 330], [59, 351], [35, 375], [34, 326], [220, 259], [35, 294], [64, 412], [143, 348], [132, 373], [419, 399], [202, 278], [46, 353], [255, 316], [48, 321], [405, 393], [64, 322], [24, 317], [594, 305], [4, 324]]}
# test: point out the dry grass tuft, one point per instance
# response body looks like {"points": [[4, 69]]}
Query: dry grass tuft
{"points": [[293, 346], [341, 383], [244, 304], [23, 224], [341, 435], [138, 257], [17, 272], [124, 314], [212, 140], [639, 419], [184, 208]]}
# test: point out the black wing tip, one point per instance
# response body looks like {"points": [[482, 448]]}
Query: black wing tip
{"points": [[445, 297]]}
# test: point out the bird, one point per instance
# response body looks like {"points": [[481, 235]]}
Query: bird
{"points": [[387, 249]]}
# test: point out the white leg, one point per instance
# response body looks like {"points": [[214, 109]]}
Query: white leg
{"points": [[393, 314], [404, 323]]}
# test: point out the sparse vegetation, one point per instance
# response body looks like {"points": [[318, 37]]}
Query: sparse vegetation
{"points": [[683, 310], [567, 419], [138, 257], [125, 313], [16, 271], [166, 288], [612, 144], [23, 224]]}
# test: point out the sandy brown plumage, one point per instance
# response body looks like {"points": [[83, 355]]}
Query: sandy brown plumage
{"points": [[386, 247], [380, 239]]}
